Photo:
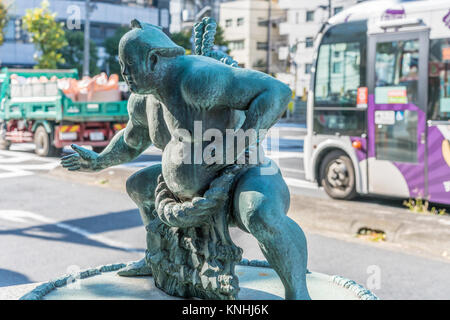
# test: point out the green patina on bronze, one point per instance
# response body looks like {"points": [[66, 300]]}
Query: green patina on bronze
{"points": [[187, 208]]}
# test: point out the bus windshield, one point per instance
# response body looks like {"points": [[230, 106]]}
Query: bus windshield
{"points": [[439, 80], [340, 67]]}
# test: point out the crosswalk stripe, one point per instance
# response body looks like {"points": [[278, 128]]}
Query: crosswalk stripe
{"points": [[292, 182]]}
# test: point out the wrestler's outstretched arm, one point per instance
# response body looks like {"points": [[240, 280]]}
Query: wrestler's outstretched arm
{"points": [[125, 146]]}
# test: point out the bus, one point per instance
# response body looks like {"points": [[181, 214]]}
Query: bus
{"points": [[378, 109]]}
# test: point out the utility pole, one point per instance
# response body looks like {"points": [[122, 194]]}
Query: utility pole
{"points": [[269, 36], [86, 39], [329, 9]]}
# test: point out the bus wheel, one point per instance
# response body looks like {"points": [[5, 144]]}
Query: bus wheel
{"points": [[43, 143], [338, 176]]}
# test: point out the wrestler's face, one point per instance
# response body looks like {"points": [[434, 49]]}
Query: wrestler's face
{"points": [[136, 66]]}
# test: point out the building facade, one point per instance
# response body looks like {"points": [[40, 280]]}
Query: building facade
{"points": [[246, 27], [304, 18], [184, 13], [106, 16]]}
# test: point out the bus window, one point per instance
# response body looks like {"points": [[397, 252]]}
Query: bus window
{"points": [[338, 76], [439, 80], [346, 122], [397, 142], [340, 68], [396, 68]]}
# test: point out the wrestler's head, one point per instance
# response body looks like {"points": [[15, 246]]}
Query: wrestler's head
{"points": [[140, 53]]}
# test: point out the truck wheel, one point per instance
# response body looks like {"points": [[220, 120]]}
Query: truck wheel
{"points": [[338, 176], [43, 143], [4, 144], [98, 149]]}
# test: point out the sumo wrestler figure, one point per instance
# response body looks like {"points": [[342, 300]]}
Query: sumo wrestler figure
{"points": [[172, 91]]}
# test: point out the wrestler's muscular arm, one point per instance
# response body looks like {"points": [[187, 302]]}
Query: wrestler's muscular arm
{"points": [[263, 98], [125, 146]]}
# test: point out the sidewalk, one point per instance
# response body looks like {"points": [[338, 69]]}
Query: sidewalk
{"points": [[429, 234]]}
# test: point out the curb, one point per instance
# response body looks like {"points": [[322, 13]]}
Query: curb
{"points": [[427, 233]]}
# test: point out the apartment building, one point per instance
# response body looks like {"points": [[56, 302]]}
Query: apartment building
{"points": [[184, 13], [304, 18], [105, 18], [246, 27]]}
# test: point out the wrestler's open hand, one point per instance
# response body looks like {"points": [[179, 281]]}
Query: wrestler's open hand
{"points": [[82, 160]]}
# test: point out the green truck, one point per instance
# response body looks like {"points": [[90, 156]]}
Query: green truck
{"points": [[43, 114]]}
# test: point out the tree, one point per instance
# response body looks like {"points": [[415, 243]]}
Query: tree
{"points": [[47, 35], [112, 49], [3, 21], [73, 53], [183, 39], [219, 39]]}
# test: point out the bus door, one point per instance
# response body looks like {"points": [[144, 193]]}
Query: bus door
{"points": [[396, 115]]}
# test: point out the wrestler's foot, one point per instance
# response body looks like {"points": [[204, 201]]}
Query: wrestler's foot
{"points": [[136, 268]]}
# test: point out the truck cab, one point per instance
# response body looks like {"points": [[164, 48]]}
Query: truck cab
{"points": [[40, 112]]}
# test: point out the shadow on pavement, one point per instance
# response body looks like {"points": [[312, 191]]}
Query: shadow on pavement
{"points": [[9, 278], [93, 225]]}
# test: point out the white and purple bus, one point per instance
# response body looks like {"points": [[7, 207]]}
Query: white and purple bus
{"points": [[378, 114]]}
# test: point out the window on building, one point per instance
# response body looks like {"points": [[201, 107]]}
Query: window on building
{"points": [[237, 45], [309, 16], [297, 17], [261, 46], [262, 22], [228, 23], [10, 30], [336, 10], [240, 21], [308, 67], [309, 42], [109, 32]]}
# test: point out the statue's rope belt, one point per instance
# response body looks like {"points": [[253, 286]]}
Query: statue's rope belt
{"points": [[189, 247]]}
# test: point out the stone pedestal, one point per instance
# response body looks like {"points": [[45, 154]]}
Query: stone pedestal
{"points": [[257, 281]]}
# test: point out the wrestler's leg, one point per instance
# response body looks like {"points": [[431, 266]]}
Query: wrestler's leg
{"points": [[260, 206], [141, 189]]}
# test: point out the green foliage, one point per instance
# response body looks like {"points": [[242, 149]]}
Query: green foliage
{"points": [[73, 54], [420, 206], [47, 35], [183, 39], [112, 49], [219, 39], [3, 21]]}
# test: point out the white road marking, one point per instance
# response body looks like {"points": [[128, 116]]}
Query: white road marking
{"points": [[25, 217], [283, 154], [11, 161], [298, 171], [292, 182], [140, 164]]}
